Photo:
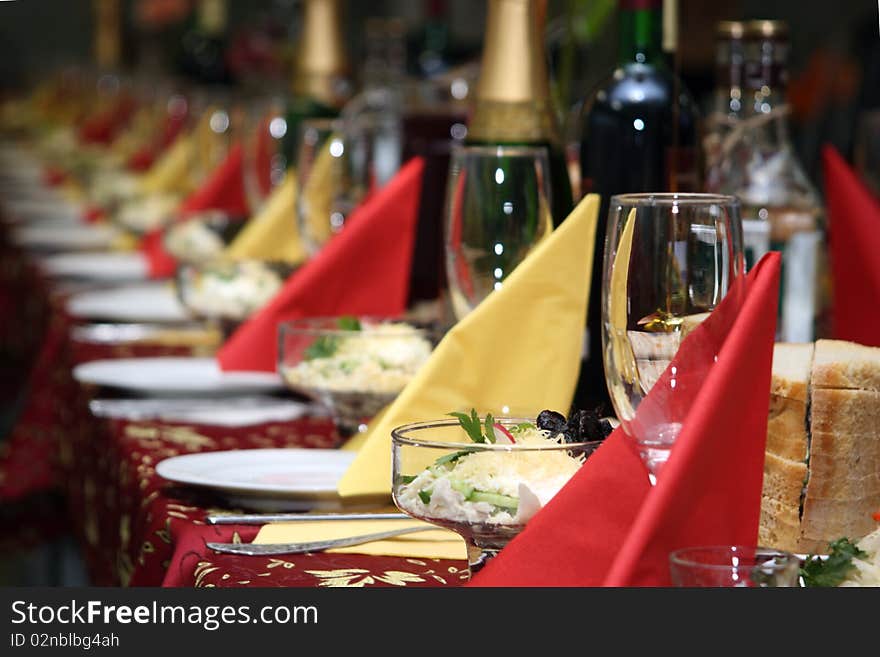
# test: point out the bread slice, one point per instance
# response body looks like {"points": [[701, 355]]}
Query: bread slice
{"points": [[827, 520], [787, 428], [840, 364], [780, 525], [846, 412], [792, 364]]}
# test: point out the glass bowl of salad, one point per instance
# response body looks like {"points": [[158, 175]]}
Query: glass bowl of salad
{"points": [[486, 477], [354, 366], [228, 292], [201, 237]]}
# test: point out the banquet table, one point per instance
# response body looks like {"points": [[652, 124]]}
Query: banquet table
{"points": [[133, 527]]}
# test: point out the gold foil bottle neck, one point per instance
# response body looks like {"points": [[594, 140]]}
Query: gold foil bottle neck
{"points": [[321, 64], [108, 33], [513, 95], [513, 67]]}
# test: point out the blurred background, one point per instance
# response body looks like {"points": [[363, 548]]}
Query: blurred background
{"points": [[834, 62]]}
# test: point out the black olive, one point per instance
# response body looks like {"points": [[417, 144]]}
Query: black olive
{"points": [[551, 421]]}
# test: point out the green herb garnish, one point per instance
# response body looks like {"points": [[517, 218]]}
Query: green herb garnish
{"points": [[323, 347], [450, 458], [474, 428], [519, 428], [425, 496], [407, 479], [833, 570], [349, 323], [327, 345]]}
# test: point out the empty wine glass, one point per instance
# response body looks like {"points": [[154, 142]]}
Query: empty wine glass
{"points": [[265, 149], [670, 260], [334, 175]]}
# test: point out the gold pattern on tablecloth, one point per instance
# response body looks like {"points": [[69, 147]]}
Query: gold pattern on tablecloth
{"points": [[165, 533], [187, 437], [361, 577], [202, 569], [124, 530]]}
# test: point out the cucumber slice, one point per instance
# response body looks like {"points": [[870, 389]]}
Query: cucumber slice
{"points": [[462, 488], [496, 499]]}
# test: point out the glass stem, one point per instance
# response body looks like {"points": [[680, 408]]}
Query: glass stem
{"points": [[478, 556]]}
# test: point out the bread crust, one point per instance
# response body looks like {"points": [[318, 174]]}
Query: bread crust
{"points": [[841, 364]]}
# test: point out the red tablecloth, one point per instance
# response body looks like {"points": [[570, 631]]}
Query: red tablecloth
{"points": [[134, 527]]}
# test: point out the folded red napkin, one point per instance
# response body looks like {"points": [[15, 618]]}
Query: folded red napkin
{"points": [[144, 158], [223, 190], [608, 527], [104, 127], [363, 270], [854, 242]]}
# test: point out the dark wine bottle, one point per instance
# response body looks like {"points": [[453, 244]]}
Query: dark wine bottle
{"points": [[638, 134], [203, 46], [513, 105]]}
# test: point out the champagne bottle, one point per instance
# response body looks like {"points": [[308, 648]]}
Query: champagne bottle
{"points": [[513, 105], [638, 134], [108, 34], [321, 84]]}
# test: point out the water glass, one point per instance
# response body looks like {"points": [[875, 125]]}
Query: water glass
{"points": [[734, 566], [497, 209]]}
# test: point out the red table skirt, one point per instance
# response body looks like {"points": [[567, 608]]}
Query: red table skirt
{"points": [[134, 527]]}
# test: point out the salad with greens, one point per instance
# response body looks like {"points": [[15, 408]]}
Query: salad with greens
{"points": [[362, 356], [501, 486]]}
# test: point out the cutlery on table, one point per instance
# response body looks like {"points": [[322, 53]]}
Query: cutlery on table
{"points": [[263, 518], [267, 549]]}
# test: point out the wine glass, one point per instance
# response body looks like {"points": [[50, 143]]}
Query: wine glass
{"points": [[497, 209], [265, 149], [670, 260], [334, 174]]}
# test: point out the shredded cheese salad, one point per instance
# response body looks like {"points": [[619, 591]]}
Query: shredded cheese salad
{"points": [[371, 358]]}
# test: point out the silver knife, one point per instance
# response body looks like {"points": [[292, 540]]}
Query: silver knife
{"points": [[267, 549], [263, 518]]}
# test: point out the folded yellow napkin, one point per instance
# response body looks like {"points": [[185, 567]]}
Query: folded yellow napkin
{"points": [[273, 233], [515, 354], [171, 172], [435, 544]]}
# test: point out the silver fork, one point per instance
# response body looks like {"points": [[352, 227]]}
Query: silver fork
{"points": [[267, 549]]}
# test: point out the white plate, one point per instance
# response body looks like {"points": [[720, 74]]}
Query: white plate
{"points": [[221, 412], [98, 265], [64, 236], [174, 376], [146, 302], [43, 208], [266, 479]]}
